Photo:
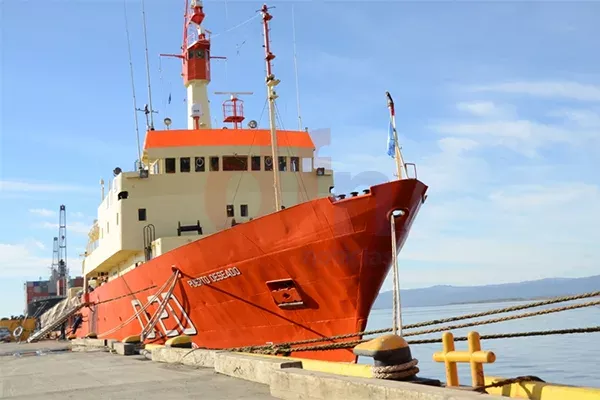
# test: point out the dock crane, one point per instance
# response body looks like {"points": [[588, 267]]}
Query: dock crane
{"points": [[60, 249]]}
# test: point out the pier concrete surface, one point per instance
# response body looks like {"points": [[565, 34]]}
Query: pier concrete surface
{"points": [[55, 374]]}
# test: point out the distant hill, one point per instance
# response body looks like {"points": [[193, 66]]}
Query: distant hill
{"points": [[445, 294]]}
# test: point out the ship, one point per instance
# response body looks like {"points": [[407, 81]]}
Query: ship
{"points": [[233, 236]]}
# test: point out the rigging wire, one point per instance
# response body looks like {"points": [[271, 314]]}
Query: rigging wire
{"points": [[235, 27], [135, 117], [296, 70], [289, 153], [151, 127], [162, 86]]}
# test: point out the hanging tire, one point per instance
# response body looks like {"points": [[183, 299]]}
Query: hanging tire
{"points": [[18, 332]]}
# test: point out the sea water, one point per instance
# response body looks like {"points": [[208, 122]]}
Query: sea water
{"points": [[567, 359]]}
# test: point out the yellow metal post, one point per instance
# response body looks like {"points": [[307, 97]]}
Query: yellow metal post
{"points": [[474, 356], [451, 369], [477, 378]]}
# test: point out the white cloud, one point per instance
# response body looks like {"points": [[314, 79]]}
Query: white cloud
{"points": [[75, 227], [42, 212], [20, 260], [22, 186], [77, 214], [457, 146], [522, 197], [511, 234], [589, 118], [520, 135], [480, 108], [548, 89]]}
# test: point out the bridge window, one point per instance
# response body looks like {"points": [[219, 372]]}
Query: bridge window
{"points": [[294, 164], [268, 163], [235, 163], [141, 214], [184, 164], [214, 163], [255, 163], [282, 163], [199, 164], [244, 210], [200, 53], [230, 212], [170, 165]]}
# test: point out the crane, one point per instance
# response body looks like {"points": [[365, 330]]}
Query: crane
{"points": [[63, 271]]}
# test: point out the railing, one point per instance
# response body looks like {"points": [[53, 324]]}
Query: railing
{"points": [[92, 246], [414, 169]]}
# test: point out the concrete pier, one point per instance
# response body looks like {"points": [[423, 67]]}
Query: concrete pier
{"points": [[57, 374], [92, 369]]}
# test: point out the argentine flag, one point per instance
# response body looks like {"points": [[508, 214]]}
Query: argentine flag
{"points": [[391, 143]]}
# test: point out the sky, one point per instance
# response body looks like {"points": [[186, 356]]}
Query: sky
{"points": [[498, 104]]}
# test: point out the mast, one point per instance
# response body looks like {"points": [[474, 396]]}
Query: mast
{"points": [[400, 165], [271, 95], [135, 109], [149, 110]]}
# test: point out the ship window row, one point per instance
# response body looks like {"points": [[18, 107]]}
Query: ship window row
{"points": [[235, 163], [243, 210]]}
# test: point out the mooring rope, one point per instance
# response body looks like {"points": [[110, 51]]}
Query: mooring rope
{"points": [[510, 381], [399, 371], [451, 319], [161, 308], [351, 344], [554, 300], [396, 305], [141, 310], [503, 319]]}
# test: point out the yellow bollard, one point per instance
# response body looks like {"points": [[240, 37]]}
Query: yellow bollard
{"points": [[474, 356]]}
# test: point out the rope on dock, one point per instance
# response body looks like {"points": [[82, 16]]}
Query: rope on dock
{"points": [[394, 372], [504, 382], [279, 348], [351, 344], [503, 319], [554, 300]]}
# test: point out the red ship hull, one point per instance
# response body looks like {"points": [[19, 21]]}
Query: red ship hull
{"points": [[309, 271]]}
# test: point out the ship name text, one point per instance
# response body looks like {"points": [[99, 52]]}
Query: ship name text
{"points": [[214, 277]]}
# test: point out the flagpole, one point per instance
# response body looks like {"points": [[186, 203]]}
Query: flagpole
{"points": [[400, 166]]}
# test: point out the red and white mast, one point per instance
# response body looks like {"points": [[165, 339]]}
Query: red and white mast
{"points": [[195, 53], [271, 95]]}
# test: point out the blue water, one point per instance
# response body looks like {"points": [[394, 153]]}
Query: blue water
{"points": [[568, 359]]}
